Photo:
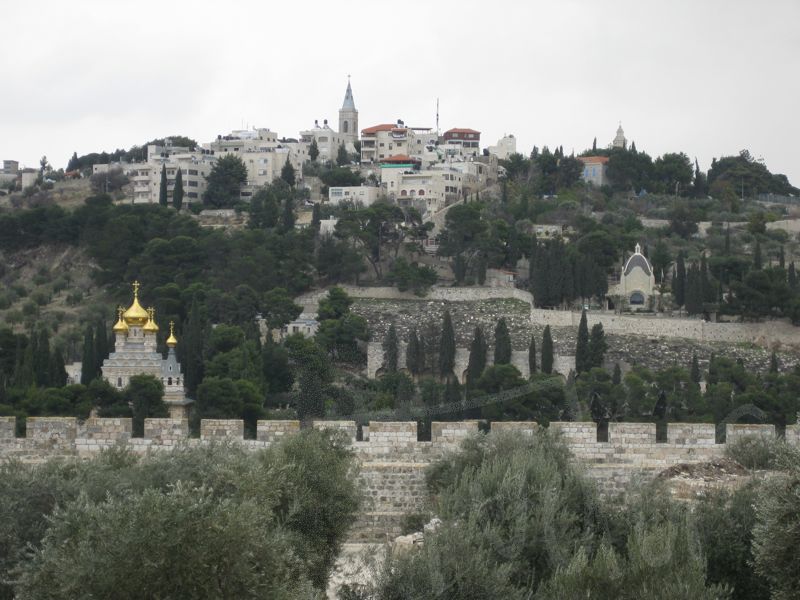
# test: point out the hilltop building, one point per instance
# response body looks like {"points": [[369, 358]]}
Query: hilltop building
{"points": [[595, 170], [348, 118], [505, 147], [619, 139], [135, 353]]}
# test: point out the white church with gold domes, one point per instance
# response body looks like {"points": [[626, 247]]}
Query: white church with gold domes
{"points": [[135, 353]]}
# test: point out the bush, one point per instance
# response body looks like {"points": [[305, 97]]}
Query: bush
{"points": [[74, 298], [762, 452], [215, 521]]}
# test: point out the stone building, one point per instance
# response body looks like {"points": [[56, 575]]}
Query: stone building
{"points": [[595, 170], [135, 353], [619, 139], [348, 117], [637, 283]]}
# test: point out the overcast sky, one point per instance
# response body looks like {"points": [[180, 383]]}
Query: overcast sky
{"points": [[704, 77]]}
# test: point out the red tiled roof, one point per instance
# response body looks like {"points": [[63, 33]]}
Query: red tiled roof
{"points": [[461, 130], [593, 159], [399, 158], [377, 128]]}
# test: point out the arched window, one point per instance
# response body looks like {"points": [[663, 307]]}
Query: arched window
{"points": [[421, 192], [637, 298], [345, 126], [413, 192], [403, 193], [169, 380]]}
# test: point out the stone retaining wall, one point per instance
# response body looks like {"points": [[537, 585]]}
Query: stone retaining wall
{"points": [[392, 462]]}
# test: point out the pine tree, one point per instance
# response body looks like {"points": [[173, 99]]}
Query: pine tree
{"points": [[583, 361], [597, 345], [502, 343], [288, 173], [390, 350], [447, 347], [757, 262], [100, 345], [162, 190], [313, 150], [532, 356], [342, 157], [177, 191], [679, 281], [88, 362], [694, 373], [415, 359], [477, 357], [616, 378], [547, 351]]}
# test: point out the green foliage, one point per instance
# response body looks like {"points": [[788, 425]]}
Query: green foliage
{"points": [[342, 158], [762, 452], [411, 276], [477, 357], [288, 173], [776, 534], [390, 350], [145, 394], [162, 188], [583, 358], [282, 513], [547, 351], [597, 346], [502, 343], [225, 179], [177, 191], [447, 347]]}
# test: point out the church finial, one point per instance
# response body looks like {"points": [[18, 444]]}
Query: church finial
{"points": [[136, 289], [172, 341]]}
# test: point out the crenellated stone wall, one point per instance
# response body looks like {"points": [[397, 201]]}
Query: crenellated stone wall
{"points": [[392, 462]]}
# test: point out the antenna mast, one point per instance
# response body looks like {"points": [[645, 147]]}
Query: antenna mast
{"points": [[437, 117]]}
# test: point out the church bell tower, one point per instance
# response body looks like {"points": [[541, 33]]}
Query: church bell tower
{"points": [[348, 116]]}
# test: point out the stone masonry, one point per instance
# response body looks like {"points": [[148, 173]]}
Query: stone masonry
{"points": [[392, 462]]}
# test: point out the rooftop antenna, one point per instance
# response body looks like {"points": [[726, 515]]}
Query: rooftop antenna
{"points": [[437, 117]]}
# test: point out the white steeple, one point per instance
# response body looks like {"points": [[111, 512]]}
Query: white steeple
{"points": [[619, 140]]}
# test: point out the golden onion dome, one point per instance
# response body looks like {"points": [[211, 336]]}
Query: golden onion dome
{"points": [[120, 326], [151, 326], [172, 341], [136, 315]]}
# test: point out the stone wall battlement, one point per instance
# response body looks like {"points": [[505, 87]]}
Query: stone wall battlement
{"points": [[392, 460]]}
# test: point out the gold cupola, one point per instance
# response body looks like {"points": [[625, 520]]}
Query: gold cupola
{"points": [[172, 341], [151, 326], [120, 326], [136, 316]]}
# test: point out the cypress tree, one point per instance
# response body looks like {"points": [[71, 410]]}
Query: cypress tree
{"points": [[792, 276], [713, 374], [313, 150], [193, 346], [616, 378], [773, 363], [757, 262], [162, 190], [414, 356], [41, 358], [480, 270], [582, 359], [728, 239], [88, 361], [287, 173], [287, 221], [452, 391], [532, 356], [694, 291], [316, 217], [447, 348], [177, 191], [477, 357], [56, 372], [694, 372], [390, 350], [597, 346], [706, 291], [782, 258], [502, 343], [679, 281], [594, 145], [24, 374], [100, 345], [547, 351]]}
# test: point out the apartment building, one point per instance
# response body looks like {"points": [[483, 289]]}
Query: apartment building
{"points": [[328, 141], [464, 141], [380, 142], [426, 190], [195, 165], [365, 195]]}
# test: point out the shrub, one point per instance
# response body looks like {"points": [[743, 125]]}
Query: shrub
{"points": [[762, 452]]}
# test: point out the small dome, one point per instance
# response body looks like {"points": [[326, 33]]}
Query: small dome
{"points": [[120, 326], [136, 315], [172, 341], [638, 259], [151, 326]]}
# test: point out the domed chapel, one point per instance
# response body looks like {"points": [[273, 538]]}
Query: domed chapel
{"points": [[135, 353]]}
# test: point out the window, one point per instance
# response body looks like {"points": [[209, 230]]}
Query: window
{"points": [[192, 171], [421, 192], [119, 382], [637, 298], [345, 127], [403, 193], [192, 183], [169, 379]]}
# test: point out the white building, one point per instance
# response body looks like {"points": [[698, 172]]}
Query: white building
{"points": [[328, 141], [428, 191], [619, 139], [195, 165], [364, 195], [380, 142], [595, 170], [327, 227], [637, 284], [505, 147]]}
